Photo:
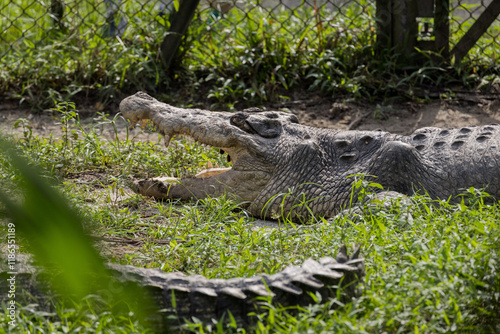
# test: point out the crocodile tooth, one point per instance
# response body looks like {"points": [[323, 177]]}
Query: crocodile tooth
{"points": [[204, 173], [309, 281], [206, 291], [132, 124], [290, 288], [259, 290], [233, 292], [166, 140]]}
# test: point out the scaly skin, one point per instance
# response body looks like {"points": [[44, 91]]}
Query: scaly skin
{"points": [[274, 155], [205, 299]]}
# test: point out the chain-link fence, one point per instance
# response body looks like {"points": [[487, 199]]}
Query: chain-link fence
{"points": [[27, 23], [463, 14], [105, 31]]}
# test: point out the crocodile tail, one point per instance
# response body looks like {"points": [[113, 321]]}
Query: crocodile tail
{"points": [[177, 297], [185, 297]]}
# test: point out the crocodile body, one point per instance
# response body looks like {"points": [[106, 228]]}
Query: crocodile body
{"points": [[278, 163], [205, 299]]}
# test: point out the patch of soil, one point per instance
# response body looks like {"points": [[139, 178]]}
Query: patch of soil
{"points": [[95, 178], [47, 124], [401, 118]]}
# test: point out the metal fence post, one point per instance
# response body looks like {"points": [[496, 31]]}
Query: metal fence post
{"points": [[178, 27], [383, 15], [398, 28], [57, 13], [442, 27], [405, 28], [477, 30]]}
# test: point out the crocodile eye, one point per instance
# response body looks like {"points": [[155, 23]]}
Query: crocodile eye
{"points": [[366, 139], [257, 124], [264, 127]]}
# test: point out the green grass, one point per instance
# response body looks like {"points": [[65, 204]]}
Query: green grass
{"points": [[436, 273], [242, 58]]}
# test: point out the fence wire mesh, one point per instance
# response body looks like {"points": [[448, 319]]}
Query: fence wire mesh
{"points": [[27, 24], [104, 30], [464, 14]]}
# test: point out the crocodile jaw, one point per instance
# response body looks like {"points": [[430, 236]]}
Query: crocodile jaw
{"points": [[227, 131], [249, 141]]}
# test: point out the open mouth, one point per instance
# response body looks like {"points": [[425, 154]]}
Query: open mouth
{"points": [[206, 172], [203, 174]]}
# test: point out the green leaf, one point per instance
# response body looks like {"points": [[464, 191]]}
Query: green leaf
{"points": [[381, 226]]}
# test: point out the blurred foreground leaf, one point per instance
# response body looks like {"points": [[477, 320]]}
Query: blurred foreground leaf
{"points": [[57, 239]]}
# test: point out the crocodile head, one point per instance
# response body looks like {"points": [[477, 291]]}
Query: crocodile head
{"points": [[279, 166]]}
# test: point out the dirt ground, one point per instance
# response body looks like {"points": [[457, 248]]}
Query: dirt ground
{"points": [[401, 118]]}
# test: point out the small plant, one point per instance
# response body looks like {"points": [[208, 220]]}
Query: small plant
{"points": [[69, 118], [295, 202], [27, 127]]}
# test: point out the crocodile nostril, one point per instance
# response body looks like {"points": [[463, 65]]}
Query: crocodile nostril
{"points": [[272, 115], [237, 120], [240, 120]]}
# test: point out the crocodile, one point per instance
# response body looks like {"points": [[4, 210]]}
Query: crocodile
{"points": [[206, 299], [279, 164]]}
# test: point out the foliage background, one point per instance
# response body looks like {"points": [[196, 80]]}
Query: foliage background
{"points": [[234, 52]]}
